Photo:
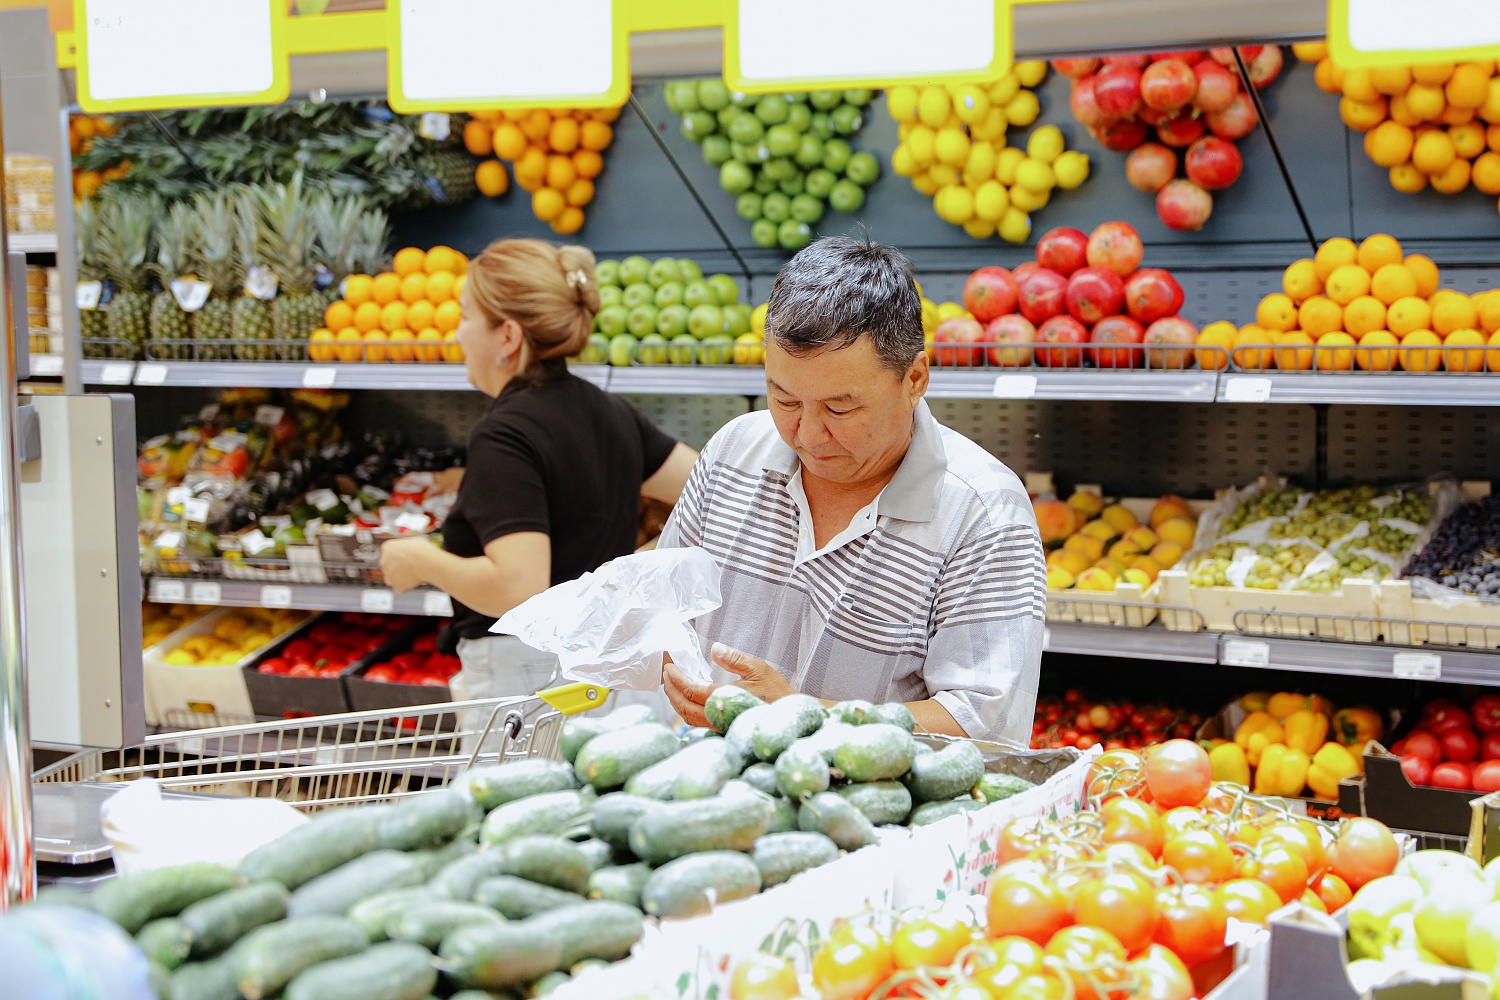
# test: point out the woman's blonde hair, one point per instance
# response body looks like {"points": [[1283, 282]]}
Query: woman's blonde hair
{"points": [[548, 289]]}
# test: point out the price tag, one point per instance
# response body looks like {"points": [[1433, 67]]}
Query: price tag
{"points": [[88, 293], [261, 283], [1046, 639], [195, 511], [323, 499], [320, 377], [1366, 33], [116, 374], [205, 593], [377, 601], [437, 604], [254, 543], [168, 591], [412, 521], [275, 596], [1247, 390], [434, 126], [179, 495], [150, 373], [1417, 666], [1245, 653], [269, 416], [46, 364], [190, 293], [1014, 386]]}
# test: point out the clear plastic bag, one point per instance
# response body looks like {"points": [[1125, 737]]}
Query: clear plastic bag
{"points": [[611, 626]]}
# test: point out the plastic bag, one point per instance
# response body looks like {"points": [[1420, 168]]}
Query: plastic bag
{"points": [[611, 626], [148, 831]]}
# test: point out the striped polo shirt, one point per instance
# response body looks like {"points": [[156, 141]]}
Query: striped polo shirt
{"points": [[936, 590]]}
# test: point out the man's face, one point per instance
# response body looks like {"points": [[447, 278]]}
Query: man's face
{"points": [[846, 415]]}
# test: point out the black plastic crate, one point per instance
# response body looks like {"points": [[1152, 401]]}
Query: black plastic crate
{"points": [[281, 696]]}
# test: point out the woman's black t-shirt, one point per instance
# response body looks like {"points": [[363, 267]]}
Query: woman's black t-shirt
{"points": [[558, 455]]}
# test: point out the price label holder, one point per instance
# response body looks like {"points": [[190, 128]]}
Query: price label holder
{"points": [[320, 377], [116, 374], [1364, 34], [195, 511], [1014, 387], [169, 591], [1417, 666], [275, 596], [1247, 389], [46, 364], [436, 604], [1245, 653], [431, 67], [88, 293], [205, 593], [377, 601], [190, 294], [150, 373], [147, 55]]}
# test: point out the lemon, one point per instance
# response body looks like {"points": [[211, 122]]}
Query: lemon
{"points": [[903, 163], [992, 129], [922, 143], [1034, 175], [1003, 90], [979, 229], [1031, 73], [981, 165], [902, 103], [181, 658], [948, 310], [991, 201], [1023, 109], [952, 147], [933, 106], [1071, 168], [924, 183], [1028, 200], [1006, 164], [1015, 227], [1045, 144], [929, 316], [971, 103], [942, 175], [758, 320], [254, 640]]}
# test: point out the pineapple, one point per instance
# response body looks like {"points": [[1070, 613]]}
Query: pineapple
{"points": [[93, 324], [448, 175], [353, 237], [124, 241], [287, 240], [250, 318], [169, 322], [215, 261]]}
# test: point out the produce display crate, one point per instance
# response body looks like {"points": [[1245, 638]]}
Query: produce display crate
{"points": [[372, 695], [1421, 621], [188, 691], [281, 696], [1351, 615], [1384, 793]]}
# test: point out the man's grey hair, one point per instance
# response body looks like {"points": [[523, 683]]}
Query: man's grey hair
{"points": [[839, 289]]}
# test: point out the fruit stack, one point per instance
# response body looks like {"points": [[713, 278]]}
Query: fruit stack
{"points": [[1192, 101], [158, 621], [82, 129], [1454, 747], [421, 664], [409, 313], [233, 637], [1287, 744], [953, 147], [332, 645], [785, 156], [1082, 289], [1461, 554], [1094, 546], [556, 155], [1434, 124], [1372, 296], [666, 312], [1075, 720]]}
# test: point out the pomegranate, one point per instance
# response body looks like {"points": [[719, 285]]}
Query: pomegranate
{"points": [[1168, 85], [1094, 293], [1115, 246], [1150, 166], [1152, 294], [1075, 69], [1213, 163], [1184, 206], [1061, 330], [1180, 131], [990, 292], [1188, 56], [959, 330], [1153, 117], [1063, 250], [1020, 271], [1044, 294], [1265, 67], [1216, 86], [1012, 328], [1236, 121], [1117, 90], [1169, 341], [1121, 136], [1085, 107], [1117, 330]]}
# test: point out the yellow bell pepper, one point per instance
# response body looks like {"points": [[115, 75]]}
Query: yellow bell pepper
{"points": [[1229, 763], [1356, 726], [1284, 703], [1306, 730], [1282, 771], [1255, 701], [1257, 732], [1330, 765]]}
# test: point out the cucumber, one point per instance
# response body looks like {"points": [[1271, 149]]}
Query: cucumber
{"points": [[831, 814], [722, 823], [784, 819], [372, 913], [725, 703], [762, 777], [592, 929], [482, 995], [875, 752], [320, 845], [549, 983], [950, 772], [215, 923], [919, 748], [621, 884], [134, 900], [270, 957], [779, 856], [995, 786], [787, 721], [433, 817], [427, 924], [395, 971], [549, 813], [741, 732], [694, 884], [334, 893], [166, 942], [576, 732], [801, 771], [547, 861], [882, 802], [614, 814], [158, 979], [502, 783], [458, 878], [597, 852], [931, 812], [708, 770], [893, 713], [62, 895], [517, 898], [432, 860], [499, 955], [855, 712], [210, 980], [609, 759], [829, 737], [696, 734]]}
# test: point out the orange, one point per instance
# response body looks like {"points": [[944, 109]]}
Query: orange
{"points": [[531, 169], [441, 258], [580, 192], [509, 141], [536, 125], [1359, 85], [1459, 117], [1461, 351], [439, 289], [400, 346], [1377, 351], [1392, 282], [568, 222], [1408, 179], [375, 342], [1424, 270], [491, 179], [1301, 280], [596, 135], [1492, 136], [367, 317], [1489, 314], [1364, 314], [1389, 144], [458, 288], [477, 137], [1390, 80], [1425, 101], [1452, 180], [1334, 352], [1486, 173], [1420, 351], [587, 163], [1295, 352], [447, 316], [548, 203], [1492, 356], [1401, 114], [1490, 110], [1329, 78], [1362, 117], [1377, 251], [408, 261], [1256, 356], [1408, 314], [1332, 254], [605, 115], [1433, 152], [1347, 283], [429, 345], [419, 314], [349, 340], [563, 138], [1215, 335], [1468, 86], [386, 288], [453, 351], [1276, 312], [320, 345], [1320, 315], [560, 172], [1453, 312], [393, 316], [357, 289], [338, 315], [413, 288], [1435, 74]]}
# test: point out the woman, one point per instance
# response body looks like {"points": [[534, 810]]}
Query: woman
{"points": [[556, 466]]}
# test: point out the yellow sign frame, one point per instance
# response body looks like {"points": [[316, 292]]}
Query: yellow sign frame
{"points": [[1346, 56]]}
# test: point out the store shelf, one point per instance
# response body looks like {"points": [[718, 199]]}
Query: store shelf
{"points": [[1150, 643], [308, 597], [31, 242], [1079, 383], [1361, 659], [725, 381], [298, 375], [107, 372], [1439, 389]]}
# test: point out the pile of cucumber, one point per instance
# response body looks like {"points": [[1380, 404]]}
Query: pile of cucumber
{"points": [[518, 876]]}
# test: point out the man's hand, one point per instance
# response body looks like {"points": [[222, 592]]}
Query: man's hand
{"points": [[756, 676], [401, 562]]}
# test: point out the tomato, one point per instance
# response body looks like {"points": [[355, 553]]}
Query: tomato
{"points": [[1459, 744], [1248, 899], [1030, 908], [1114, 773], [1221, 798], [1304, 837], [764, 977], [1310, 898], [1182, 819], [1057, 852], [1048, 984], [1132, 821], [1178, 773], [1128, 856], [1364, 850], [1160, 975], [1199, 856], [962, 991], [1021, 866], [1333, 891], [1005, 961], [1192, 922], [1018, 838], [930, 939], [1279, 867], [855, 960], [1087, 948], [1122, 903], [1425, 745], [1070, 880], [1446, 718], [1450, 774]]}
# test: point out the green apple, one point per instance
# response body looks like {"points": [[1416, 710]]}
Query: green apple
{"points": [[682, 96], [737, 318], [746, 130], [612, 320], [1435, 869], [862, 169], [1482, 940], [821, 126], [727, 117], [638, 294], [684, 347], [783, 140], [806, 208], [716, 150], [762, 152], [735, 177], [779, 169], [820, 182], [826, 100], [836, 154], [846, 119], [713, 95], [717, 349], [763, 233], [793, 185], [764, 185], [672, 320], [597, 351], [726, 289], [607, 272], [846, 196], [793, 235], [691, 272], [653, 349], [632, 271], [1371, 910], [776, 207], [748, 206], [705, 321], [641, 321], [740, 100], [799, 116], [742, 152], [1442, 919], [772, 109], [620, 348], [809, 152], [698, 125], [796, 98], [858, 98], [699, 293], [669, 294], [610, 295], [663, 270]]}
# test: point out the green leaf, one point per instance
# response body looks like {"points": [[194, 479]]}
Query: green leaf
{"points": [[683, 982]]}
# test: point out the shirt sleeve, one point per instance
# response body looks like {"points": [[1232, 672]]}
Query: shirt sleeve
{"points": [[684, 528], [504, 490], [985, 651], [655, 445]]}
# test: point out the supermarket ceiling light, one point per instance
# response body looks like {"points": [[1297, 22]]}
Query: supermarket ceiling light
{"points": [[1368, 33]]}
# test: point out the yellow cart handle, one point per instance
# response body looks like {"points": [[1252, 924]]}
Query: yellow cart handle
{"points": [[571, 699]]}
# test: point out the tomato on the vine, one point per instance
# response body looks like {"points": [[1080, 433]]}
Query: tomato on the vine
{"points": [[1048, 984], [1181, 820], [1128, 855], [1310, 898], [1129, 820], [1056, 852], [1018, 838], [1278, 866], [764, 977], [1248, 899], [1303, 837], [1122, 903], [1363, 851], [933, 939], [1199, 856], [1192, 922], [855, 960], [1333, 891], [1160, 975], [1080, 948], [1178, 773], [1114, 773], [1029, 907], [999, 965], [1221, 799]]}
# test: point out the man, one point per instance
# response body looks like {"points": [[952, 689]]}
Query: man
{"points": [[867, 551]]}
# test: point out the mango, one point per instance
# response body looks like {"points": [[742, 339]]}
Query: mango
{"points": [[1119, 518], [1169, 507]]}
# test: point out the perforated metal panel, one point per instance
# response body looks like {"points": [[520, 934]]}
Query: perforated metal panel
{"points": [[690, 419], [1385, 443], [426, 418]]}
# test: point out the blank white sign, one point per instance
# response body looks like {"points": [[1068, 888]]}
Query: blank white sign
{"points": [[1390, 25], [862, 39], [165, 48], [488, 50]]}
